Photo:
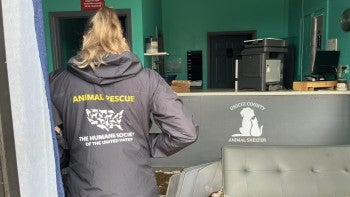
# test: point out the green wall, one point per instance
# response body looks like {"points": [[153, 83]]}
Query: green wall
{"points": [[152, 18], [186, 23], [336, 8], [185, 26], [68, 5], [333, 9], [299, 23], [294, 32]]}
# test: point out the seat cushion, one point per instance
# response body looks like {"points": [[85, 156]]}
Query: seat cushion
{"points": [[286, 171]]}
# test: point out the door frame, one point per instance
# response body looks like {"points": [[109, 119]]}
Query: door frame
{"points": [[55, 29], [305, 61], [8, 162], [211, 35], [314, 45]]}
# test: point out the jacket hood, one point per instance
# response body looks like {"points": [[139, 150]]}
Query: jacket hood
{"points": [[115, 68]]}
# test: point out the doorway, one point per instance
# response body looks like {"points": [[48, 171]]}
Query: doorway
{"points": [[224, 48], [67, 29]]}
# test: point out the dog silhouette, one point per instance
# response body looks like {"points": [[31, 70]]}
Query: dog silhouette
{"points": [[250, 125]]}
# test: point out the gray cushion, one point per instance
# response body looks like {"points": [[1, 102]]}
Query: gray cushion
{"points": [[286, 171], [196, 181], [173, 185], [209, 180]]}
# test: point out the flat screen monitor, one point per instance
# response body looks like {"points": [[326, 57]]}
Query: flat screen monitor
{"points": [[326, 63]]}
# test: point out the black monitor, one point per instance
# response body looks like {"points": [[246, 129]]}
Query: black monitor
{"points": [[326, 64]]}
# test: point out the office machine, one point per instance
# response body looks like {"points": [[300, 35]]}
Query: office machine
{"points": [[261, 66]]}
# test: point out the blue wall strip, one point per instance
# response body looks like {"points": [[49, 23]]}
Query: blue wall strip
{"points": [[39, 29]]}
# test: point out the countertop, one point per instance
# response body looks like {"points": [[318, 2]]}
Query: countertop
{"points": [[211, 92]]}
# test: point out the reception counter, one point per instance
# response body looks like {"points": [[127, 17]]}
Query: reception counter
{"points": [[262, 118], [209, 92]]}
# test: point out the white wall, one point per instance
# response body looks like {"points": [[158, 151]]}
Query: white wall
{"points": [[31, 120]]}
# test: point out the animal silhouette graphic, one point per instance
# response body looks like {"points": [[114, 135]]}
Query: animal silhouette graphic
{"points": [[105, 119], [250, 125]]}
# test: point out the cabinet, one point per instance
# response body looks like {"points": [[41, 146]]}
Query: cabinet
{"points": [[194, 68]]}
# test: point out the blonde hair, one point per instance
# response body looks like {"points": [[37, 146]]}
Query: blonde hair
{"points": [[104, 36]]}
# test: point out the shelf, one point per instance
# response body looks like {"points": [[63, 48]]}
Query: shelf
{"points": [[156, 54], [156, 60], [312, 85]]}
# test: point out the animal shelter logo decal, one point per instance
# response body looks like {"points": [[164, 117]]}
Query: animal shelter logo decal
{"points": [[250, 130]]}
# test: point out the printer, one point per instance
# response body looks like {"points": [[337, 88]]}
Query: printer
{"points": [[261, 65]]}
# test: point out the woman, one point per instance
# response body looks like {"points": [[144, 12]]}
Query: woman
{"points": [[103, 104]]}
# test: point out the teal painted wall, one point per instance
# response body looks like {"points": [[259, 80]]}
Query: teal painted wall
{"points": [[152, 18], [336, 8], [333, 9], [186, 23], [294, 31], [313, 5], [311, 8], [68, 5]]}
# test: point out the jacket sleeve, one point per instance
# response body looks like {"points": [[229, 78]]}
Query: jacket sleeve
{"points": [[61, 141], [174, 120], [63, 150], [57, 118]]}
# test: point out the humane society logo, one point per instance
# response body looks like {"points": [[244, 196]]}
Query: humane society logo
{"points": [[249, 131], [105, 119]]}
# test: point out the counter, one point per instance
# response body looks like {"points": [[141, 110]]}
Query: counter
{"points": [[271, 93], [262, 118]]}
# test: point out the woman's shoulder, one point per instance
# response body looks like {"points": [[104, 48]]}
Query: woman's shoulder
{"points": [[54, 75], [59, 77], [150, 74]]}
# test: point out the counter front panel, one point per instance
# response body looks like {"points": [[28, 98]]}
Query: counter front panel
{"points": [[262, 119]]}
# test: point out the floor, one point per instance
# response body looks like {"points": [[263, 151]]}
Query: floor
{"points": [[162, 178]]}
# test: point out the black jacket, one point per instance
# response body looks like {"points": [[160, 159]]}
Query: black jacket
{"points": [[105, 115]]}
